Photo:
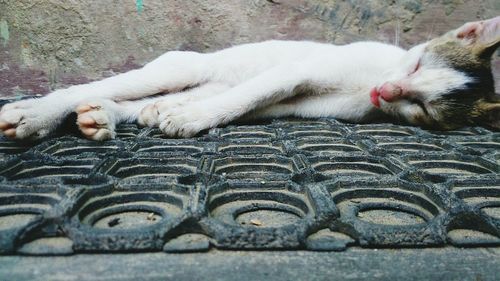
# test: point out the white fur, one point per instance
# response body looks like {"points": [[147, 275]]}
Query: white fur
{"points": [[251, 80]]}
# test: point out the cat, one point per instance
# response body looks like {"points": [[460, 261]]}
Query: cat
{"points": [[444, 84]]}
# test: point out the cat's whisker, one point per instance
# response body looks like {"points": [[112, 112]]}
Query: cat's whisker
{"points": [[433, 23], [397, 32]]}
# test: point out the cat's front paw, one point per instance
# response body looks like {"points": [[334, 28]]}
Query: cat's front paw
{"points": [[28, 119], [95, 121], [185, 120], [150, 114]]}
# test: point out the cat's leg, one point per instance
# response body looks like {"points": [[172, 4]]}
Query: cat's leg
{"points": [[150, 113], [33, 119], [270, 87], [272, 111], [97, 118]]}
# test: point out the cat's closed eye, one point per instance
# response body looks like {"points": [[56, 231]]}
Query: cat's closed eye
{"points": [[416, 67]]}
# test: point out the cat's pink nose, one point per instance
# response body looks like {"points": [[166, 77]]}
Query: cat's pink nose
{"points": [[374, 97], [390, 92]]}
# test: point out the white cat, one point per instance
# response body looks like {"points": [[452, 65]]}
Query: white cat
{"points": [[444, 83]]}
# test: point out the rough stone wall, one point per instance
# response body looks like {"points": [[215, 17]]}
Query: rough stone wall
{"points": [[46, 44]]}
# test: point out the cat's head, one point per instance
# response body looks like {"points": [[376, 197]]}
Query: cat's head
{"points": [[447, 82]]}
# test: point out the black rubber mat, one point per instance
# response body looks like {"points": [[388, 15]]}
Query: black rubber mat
{"points": [[287, 184]]}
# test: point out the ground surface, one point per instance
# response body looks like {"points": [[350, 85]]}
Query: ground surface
{"points": [[354, 264], [289, 187]]}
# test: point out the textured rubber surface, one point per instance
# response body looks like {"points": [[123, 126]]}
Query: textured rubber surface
{"points": [[286, 184]]}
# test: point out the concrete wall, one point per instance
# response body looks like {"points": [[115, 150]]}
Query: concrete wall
{"points": [[45, 44]]}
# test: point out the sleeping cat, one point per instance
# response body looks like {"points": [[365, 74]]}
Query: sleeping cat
{"points": [[445, 83]]}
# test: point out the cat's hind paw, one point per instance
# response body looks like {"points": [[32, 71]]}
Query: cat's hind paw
{"points": [[184, 121], [149, 116], [94, 121], [27, 120]]}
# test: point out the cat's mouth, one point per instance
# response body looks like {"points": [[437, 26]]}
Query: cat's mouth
{"points": [[375, 97]]}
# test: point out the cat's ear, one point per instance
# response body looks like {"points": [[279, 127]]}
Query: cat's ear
{"points": [[488, 113], [482, 36]]}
